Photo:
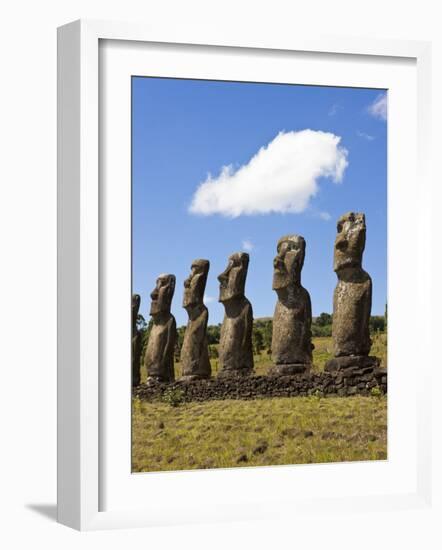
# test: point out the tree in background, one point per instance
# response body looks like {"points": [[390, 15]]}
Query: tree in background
{"points": [[322, 325], [213, 351], [377, 323], [324, 319], [179, 342], [264, 327], [257, 340], [267, 334], [213, 333]]}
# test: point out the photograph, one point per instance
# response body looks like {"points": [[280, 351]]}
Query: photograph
{"points": [[230, 215], [259, 274]]}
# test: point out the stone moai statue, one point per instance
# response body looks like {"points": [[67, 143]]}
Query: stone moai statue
{"points": [[195, 350], [352, 297], [292, 337], [136, 341], [235, 347], [159, 355]]}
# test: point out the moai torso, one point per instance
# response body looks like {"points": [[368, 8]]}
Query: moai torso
{"points": [[235, 347], [194, 357], [352, 297], [136, 341], [351, 314], [159, 356], [195, 361], [291, 336]]}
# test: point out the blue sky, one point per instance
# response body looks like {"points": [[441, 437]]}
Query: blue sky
{"points": [[185, 131]]}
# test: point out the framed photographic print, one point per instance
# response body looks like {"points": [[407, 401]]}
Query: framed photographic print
{"points": [[232, 273]]}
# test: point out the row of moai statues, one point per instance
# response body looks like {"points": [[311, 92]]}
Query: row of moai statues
{"points": [[291, 338]]}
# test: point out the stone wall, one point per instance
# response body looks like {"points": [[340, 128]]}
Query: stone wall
{"points": [[352, 381]]}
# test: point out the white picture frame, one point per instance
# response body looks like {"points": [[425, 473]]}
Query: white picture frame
{"points": [[81, 259]]}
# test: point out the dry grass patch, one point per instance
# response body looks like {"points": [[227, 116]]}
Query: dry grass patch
{"points": [[232, 433]]}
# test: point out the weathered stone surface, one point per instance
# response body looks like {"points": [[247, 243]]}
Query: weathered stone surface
{"points": [[195, 350], [349, 361], [235, 347], [136, 341], [291, 339], [352, 296], [158, 358]]}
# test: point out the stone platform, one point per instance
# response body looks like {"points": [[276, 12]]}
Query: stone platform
{"points": [[363, 362], [352, 381]]}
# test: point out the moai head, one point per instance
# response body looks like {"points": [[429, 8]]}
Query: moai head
{"points": [[162, 295], [288, 263], [350, 241], [233, 279], [195, 283], [135, 308]]}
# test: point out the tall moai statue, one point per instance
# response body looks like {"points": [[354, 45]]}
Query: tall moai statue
{"points": [[235, 347], [159, 355], [195, 350], [291, 337], [352, 297], [136, 341]]}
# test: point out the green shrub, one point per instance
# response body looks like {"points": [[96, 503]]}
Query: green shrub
{"points": [[173, 396], [318, 394], [321, 330], [376, 392]]}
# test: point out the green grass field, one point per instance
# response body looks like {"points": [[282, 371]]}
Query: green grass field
{"points": [[261, 432]]}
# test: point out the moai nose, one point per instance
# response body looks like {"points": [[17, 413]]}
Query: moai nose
{"points": [[277, 262], [341, 243], [154, 294]]}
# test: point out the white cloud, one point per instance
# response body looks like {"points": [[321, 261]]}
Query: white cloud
{"points": [[334, 109], [325, 216], [208, 299], [379, 107], [247, 245], [368, 137], [281, 177]]}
